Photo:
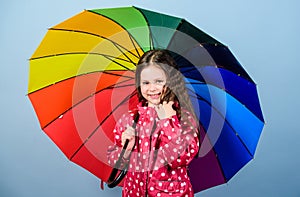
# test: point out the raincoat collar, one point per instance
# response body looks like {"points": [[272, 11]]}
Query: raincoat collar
{"points": [[146, 111]]}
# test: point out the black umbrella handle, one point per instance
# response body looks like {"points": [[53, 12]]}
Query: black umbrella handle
{"points": [[112, 180]]}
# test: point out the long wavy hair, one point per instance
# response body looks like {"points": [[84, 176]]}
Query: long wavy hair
{"points": [[175, 89]]}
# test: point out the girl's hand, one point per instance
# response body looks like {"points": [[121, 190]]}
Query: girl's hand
{"points": [[165, 110], [129, 134]]}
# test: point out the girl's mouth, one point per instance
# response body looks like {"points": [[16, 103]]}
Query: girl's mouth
{"points": [[154, 96]]}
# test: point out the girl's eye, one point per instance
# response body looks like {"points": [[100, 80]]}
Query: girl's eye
{"points": [[159, 81]]}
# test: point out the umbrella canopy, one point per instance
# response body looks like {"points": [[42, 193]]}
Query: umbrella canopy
{"points": [[81, 81]]}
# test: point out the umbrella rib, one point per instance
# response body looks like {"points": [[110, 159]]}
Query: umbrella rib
{"points": [[106, 72], [95, 130], [235, 132], [80, 53], [135, 47], [89, 33], [151, 38], [125, 53], [107, 57]]}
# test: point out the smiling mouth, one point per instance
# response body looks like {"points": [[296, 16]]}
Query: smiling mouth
{"points": [[154, 96]]}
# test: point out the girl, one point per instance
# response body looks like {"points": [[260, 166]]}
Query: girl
{"points": [[165, 139]]}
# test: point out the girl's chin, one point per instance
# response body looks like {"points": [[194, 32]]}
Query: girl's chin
{"points": [[153, 102]]}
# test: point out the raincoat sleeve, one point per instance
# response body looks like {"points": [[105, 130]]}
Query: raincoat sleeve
{"points": [[113, 151], [178, 142]]}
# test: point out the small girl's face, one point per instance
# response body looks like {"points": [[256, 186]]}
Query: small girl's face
{"points": [[153, 79]]}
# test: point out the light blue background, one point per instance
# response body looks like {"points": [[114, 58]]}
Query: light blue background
{"points": [[263, 35]]}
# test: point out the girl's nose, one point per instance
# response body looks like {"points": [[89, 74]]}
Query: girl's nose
{"points": [[152, 87]]}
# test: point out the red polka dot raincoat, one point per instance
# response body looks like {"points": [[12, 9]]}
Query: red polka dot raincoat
{"points": [[158, 162]]}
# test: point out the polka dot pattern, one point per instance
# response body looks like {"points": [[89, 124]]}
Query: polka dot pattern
{"points": [[161, 145]]}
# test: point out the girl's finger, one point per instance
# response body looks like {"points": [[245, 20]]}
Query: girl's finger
{"points": [[171, 103]]}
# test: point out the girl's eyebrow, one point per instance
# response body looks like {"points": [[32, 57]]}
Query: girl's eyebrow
{"points": [[153, 79]]}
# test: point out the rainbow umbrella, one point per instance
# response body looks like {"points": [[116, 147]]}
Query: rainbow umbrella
{"points": [[81, 81]]}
